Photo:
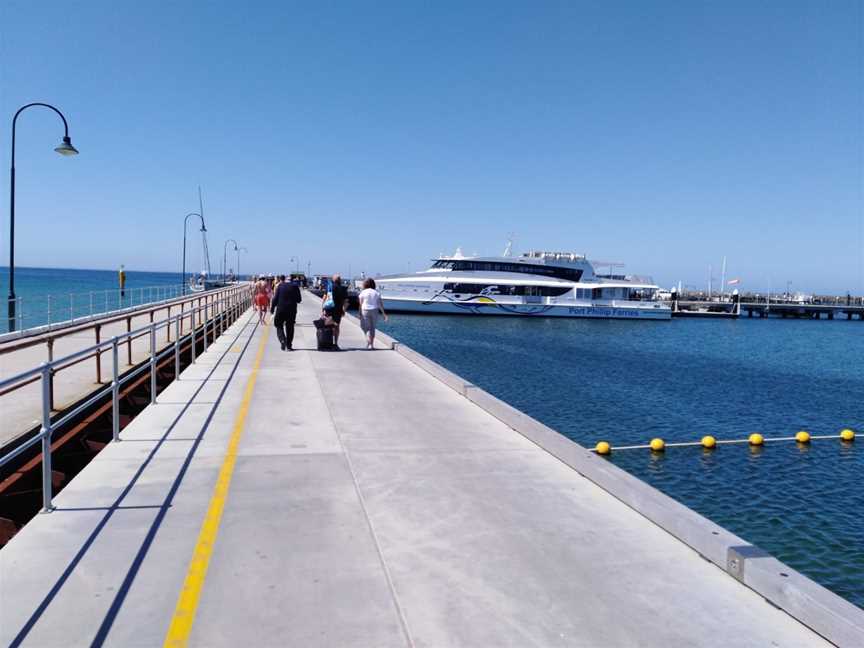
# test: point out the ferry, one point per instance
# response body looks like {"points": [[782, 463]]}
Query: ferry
{"points": [[546, 284]]}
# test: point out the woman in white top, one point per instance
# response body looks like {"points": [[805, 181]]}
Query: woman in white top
{"points": [[370, 305]]}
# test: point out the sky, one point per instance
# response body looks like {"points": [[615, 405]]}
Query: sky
{"points": [[373, 136]]}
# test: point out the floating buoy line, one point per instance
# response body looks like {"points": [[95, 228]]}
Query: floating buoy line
{"points": [[708, 442]]}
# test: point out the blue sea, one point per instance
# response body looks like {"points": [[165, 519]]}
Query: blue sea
{"points": [[627, 382], [74, 292]]}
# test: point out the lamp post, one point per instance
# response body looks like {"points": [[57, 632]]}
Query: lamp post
{"points": [[225, 257], [65, 148], [203, 229], [239, 249]]}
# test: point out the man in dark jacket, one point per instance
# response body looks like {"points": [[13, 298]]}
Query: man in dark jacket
{"points": [[339, 295], [284, 304]]}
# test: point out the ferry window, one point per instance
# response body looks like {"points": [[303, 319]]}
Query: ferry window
{"points": [[572, 274]]}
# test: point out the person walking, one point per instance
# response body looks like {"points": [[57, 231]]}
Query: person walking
{"points": [[262, 299], [339, 295], [371, 305], [284, 305]]}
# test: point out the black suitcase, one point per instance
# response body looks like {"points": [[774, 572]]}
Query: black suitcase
{"points": [[325, 338]]}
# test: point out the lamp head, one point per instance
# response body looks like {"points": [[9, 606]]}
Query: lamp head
{"points": [[66, 147]]}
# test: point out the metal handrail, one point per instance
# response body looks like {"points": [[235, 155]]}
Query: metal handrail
{"points": [[37, 337], [35, 334], [42, 306], [60, 363], [230, 304]]}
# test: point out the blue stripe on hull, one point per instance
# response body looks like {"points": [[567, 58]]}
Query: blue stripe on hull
{"points": [[525, 310]]}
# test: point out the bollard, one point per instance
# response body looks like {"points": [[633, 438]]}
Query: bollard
{"points": [[46, 440], [115, 389], [152, 364], [177, 350]]}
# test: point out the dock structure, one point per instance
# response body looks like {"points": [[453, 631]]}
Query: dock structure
{"points": [[729, 309], [21, 404], [360, 498]]}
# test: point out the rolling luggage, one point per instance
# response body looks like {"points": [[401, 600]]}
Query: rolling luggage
{"points": [[324, 334]]}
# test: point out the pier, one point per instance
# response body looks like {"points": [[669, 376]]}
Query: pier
{"points": [[363, 498], [792, 310]]}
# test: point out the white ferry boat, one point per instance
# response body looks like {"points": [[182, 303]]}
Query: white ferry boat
{"points": [[547, 284]]}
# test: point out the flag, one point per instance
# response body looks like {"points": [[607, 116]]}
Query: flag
{"points": [[733, 282]]}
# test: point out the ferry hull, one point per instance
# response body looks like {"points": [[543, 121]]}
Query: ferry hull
{"points": [[594, 311]]}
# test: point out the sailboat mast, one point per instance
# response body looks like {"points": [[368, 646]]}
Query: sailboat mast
{"points": [[204, 233]]}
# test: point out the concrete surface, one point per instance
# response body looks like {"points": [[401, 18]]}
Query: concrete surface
{"points": [[371, 505]]}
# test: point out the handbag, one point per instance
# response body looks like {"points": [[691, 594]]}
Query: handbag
{"points": [[328, 301]]}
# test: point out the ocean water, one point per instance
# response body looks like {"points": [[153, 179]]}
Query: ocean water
{"points": [[71, 289], [627, 382]]}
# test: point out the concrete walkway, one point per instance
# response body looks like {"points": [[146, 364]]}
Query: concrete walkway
{"points": [[370, 506]]}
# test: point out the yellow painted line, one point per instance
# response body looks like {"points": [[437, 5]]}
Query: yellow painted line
{"points": [[187, 602]]}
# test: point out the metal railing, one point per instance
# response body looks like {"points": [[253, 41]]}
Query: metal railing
{"points": [[214, 315], [52, 310]]}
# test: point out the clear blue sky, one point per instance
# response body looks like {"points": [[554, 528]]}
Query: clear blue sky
{"points": [[376, 135]]}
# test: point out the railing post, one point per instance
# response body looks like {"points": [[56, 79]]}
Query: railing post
{"points": [[205, 328], [129, 341], [115, 389], [72, 307], [192, 335], [47, 486], [50, 343], [152, 364], [49, 312], [91, 303], [98, 329], [177, 349]]}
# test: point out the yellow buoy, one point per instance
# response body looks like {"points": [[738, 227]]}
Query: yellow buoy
{"points": [[756, 439], [603, 448], [708, 441], [847, 435], [802, 437], [658, 445]]}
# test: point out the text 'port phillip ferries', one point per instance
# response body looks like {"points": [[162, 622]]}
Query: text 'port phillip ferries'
{"points": [[548, 284]]}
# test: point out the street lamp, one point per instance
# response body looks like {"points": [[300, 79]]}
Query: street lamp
{"points": [[239, 249], [225, 257], [203, 229], [64, 148]]}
